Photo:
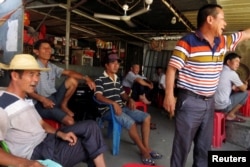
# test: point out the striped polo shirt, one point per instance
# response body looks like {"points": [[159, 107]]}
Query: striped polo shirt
{"points": [[199, 64], [109, 88]]}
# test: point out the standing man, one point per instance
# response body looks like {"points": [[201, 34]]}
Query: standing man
{"points": [[109, 90], [226, 100], [199, 58], [29, 138], [52, 103]]}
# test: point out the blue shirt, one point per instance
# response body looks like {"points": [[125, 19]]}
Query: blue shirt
{"points": [[47, 83]]}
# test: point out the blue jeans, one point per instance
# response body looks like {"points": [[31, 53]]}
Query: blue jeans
{"points": [[129, 117]]}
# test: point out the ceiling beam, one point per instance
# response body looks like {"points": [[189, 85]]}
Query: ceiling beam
{"points": [[106, 24], [179, 17], [90, 18]]}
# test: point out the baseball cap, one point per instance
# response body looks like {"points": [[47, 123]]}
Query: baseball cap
{"points": [[111, 57]]}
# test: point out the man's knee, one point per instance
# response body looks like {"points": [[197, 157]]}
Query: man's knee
{"points": [[71, 82], [67, 120], [90, 124], [147, 119], [245, 96]]}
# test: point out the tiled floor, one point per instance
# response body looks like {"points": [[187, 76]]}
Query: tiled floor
{"points": [[160, 140]]}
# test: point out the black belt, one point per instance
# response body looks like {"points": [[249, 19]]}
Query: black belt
{"points": [[188, 92]]}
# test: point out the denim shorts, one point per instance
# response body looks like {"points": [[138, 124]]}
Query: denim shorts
{"points": [[129, 117], [237, 98]]}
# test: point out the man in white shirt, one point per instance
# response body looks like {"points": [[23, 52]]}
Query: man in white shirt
{"points": [[139, 85], [231, 93]]}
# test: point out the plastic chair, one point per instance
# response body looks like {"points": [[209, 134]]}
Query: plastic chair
{"points": [[4, 146], [113, 126], [219, 130], [46, 162], [245, 109], [136, 165], [53, 123], [141, 106], [160, 98]]}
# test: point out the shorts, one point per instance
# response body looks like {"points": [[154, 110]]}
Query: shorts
{"points": [[237, 98], [129, 117]]}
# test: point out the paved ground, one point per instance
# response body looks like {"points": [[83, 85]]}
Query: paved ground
{"points": [[160, 140]]}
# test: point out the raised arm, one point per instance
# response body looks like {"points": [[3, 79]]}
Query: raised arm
{"points": [[245, 34], [79, 76]]}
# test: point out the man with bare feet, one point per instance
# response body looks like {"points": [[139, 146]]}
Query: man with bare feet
{"points": [[52, 102]]}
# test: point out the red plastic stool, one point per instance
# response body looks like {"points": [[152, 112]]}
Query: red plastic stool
{"points": [[137, 165], [141, 106], [219, 130], [52, 123], [245, 109], [160, 99]]}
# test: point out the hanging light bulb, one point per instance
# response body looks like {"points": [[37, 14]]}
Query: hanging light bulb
{"points": [[148, 2], [173, 20]]}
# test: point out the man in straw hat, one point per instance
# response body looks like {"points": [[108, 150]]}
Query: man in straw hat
{"points": [[53, 103], [28, 137]]}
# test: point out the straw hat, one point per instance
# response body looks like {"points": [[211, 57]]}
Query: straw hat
{"points": [[23, 62]]}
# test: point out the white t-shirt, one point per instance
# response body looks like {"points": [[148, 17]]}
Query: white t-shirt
{"points": [[162, 82], [130, 78], [20, 125], [228, 78]]}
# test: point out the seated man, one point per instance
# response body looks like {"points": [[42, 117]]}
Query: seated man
{"points": [[109, 90], [30, 138], [162, 84], [52, 103], [157, 77], [231, 92], [139, 85]]}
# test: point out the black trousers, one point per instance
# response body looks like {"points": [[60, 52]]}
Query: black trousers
{"points": [[138, 90], [89, 145]]}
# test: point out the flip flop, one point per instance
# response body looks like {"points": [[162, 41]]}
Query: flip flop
{"points": [[148, 161], [155, 155], [236, 119], [152, 126]]}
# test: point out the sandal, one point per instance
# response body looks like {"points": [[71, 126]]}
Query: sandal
{"points": [[152, 126], [148, 161], [155, 155], [236, 119]]}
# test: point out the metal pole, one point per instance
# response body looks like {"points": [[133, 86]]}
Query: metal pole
{"points": [[67, 38]]}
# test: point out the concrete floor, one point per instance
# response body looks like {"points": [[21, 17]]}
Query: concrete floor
{"points": [[160, 141]]}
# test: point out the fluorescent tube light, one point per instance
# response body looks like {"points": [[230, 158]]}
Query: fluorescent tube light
{"points": [[83, 30]]}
